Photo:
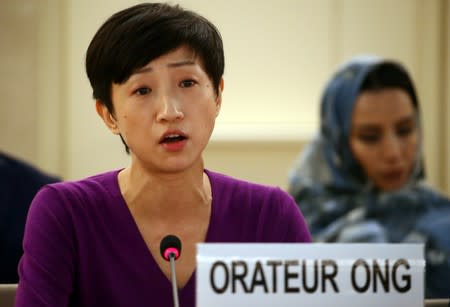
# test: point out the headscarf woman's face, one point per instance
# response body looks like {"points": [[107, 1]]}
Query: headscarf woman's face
{"points": [[384, 136]]}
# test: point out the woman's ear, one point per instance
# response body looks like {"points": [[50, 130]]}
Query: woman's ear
{"points": [[107, 117], [219, 97]]}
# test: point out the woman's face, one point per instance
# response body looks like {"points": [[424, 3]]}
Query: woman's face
{"points": [[384, 136], [166, 112]]}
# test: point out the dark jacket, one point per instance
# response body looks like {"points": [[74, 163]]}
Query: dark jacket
{"points": [[19, 182]]}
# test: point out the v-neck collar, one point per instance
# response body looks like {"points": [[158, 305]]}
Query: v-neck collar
{"points": [[152, 265]]}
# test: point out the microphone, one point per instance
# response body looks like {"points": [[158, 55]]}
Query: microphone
{"points": [[170, 248]]}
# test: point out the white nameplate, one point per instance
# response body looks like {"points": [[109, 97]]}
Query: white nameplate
{"points": [[288, 275]]}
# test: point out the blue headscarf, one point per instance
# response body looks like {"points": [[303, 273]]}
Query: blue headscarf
{"points": [[341, 204], [328, 161]]}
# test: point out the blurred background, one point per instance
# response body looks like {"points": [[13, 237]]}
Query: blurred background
{"points": [[279, 55]]}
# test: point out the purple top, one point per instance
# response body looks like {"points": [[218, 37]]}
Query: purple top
{"points": [[83, 248]]}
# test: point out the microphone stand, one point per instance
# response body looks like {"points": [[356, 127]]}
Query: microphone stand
{"points": [[170, 248], [174, 280]]}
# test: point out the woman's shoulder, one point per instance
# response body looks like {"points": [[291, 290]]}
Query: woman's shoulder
{"points": [[236, 195], [429, 196], [319, 198], [268, 209], [226, 184], [73, 195], [102, 181]]}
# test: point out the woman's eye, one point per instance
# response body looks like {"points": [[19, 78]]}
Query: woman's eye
{"points": [[187, 83], [405, 131], [142, 91], [369, 138], [405, 128]]}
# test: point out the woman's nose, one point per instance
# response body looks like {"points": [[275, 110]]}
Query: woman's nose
{"points": [[169, 109], [392, 148]]}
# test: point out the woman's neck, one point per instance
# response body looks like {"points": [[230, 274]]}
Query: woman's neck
{"points": [[151, 193]]}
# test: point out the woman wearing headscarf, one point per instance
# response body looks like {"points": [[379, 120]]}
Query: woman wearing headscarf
{"points": [[362, 178]]}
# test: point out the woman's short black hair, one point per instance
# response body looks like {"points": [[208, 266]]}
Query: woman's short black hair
{"points": [[133, 37]]}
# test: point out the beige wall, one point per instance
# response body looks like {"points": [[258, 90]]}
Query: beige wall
{"points": [[278, 58], [18, 84], [445, 85], [263, 162]]}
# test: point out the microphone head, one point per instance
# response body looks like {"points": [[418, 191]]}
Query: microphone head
{"points": [[170, 244]]}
